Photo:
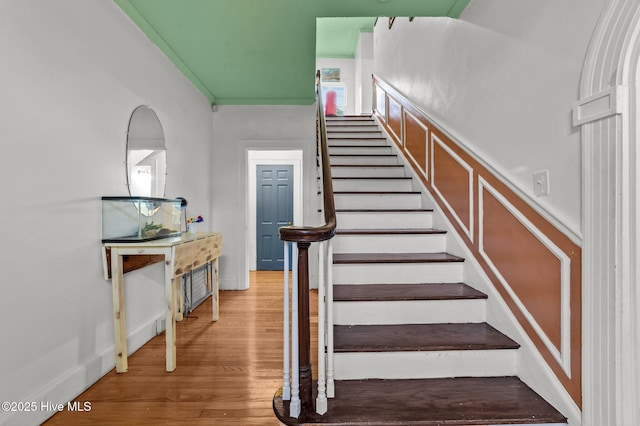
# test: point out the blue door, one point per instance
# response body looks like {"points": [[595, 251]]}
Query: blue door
{"points": [[274, 209]]}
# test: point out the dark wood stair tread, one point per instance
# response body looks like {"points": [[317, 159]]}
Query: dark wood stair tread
{"points": [[363, 155], [359, 138], [390, 231], [359, 146], [333, 127], [372, 177], [334, 130], [395, 258], [355, 135], [376, 192], [367, 165], [383, 210], [388, 292], [429, 402], [419, 337]]}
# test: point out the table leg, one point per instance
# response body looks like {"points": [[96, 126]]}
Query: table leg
{"points": [[215, 290], [119, 323], [180, 298], [170, 298]]}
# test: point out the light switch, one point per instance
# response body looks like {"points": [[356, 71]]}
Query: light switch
{"points": [[541, 183]]}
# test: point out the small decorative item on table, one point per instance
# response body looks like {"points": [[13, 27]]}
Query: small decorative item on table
{"points": [[191, 224]]}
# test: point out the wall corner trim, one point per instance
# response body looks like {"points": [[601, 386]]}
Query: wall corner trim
{"points": [[604, 104]]}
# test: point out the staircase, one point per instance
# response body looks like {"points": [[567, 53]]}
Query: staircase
{"points": [[412, 345]]}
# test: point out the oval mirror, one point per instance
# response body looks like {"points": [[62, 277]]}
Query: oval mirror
{"points": [[146, 154]]}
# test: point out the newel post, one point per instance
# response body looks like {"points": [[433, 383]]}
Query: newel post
{"points": [[303, 326]]}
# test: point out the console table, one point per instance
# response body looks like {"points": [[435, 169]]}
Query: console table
{"points": [[180, 255]]}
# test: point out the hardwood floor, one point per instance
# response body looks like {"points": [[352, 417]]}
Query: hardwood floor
{"points": [[227, 371]]}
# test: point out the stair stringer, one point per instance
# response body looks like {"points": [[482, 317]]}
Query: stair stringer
{"points": [[532, 368]]}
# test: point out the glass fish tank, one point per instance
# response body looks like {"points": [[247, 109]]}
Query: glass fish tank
{"points": [[136, 219]]}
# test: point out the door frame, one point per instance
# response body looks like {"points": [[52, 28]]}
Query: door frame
{"points": [[271, 157], [343, 85], [608, 113]]}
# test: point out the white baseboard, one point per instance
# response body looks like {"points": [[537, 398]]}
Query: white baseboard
{"points": [[230, 284], [72, 383]]}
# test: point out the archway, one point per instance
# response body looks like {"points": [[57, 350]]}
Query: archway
{"points": [[608, 113]]}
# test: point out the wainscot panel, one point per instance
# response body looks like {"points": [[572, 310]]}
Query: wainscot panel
{"points": [[452, 180], [533, 272], [416, 141]]}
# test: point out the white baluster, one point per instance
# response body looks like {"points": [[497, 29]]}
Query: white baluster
{"points": [[321, 399], [286, 386], [329, 301], [294, 407]]}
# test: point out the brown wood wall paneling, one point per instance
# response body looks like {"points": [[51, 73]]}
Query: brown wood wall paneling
{"points": [[533, 265], [533, 272], [416, 141], [453, 180]]}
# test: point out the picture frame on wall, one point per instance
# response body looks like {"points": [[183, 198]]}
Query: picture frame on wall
{"points": [[330, 75]]}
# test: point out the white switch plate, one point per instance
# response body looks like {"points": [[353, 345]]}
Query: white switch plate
{"points": [[541, 183]]}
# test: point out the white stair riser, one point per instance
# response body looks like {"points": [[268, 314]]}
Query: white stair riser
{"points": [[377, 201], [350, 142], [408, 312], [351, 127], [368, 172], [364, 159], [425, 365], [372, 184], [391, 243], [354, 135], [384, 220], [389, 273], [360, 150]]}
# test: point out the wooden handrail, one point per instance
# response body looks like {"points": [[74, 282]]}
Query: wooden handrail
{"points": [[300, 234], [303, 236]]}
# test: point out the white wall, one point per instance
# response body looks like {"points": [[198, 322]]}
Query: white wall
{"points": [[72, 73], [502, 79], [238, 130], [347, 76], [363, 72]]}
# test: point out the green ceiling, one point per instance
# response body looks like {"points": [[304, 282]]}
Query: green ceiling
{"points": [[258, 52], [338, 37]]}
